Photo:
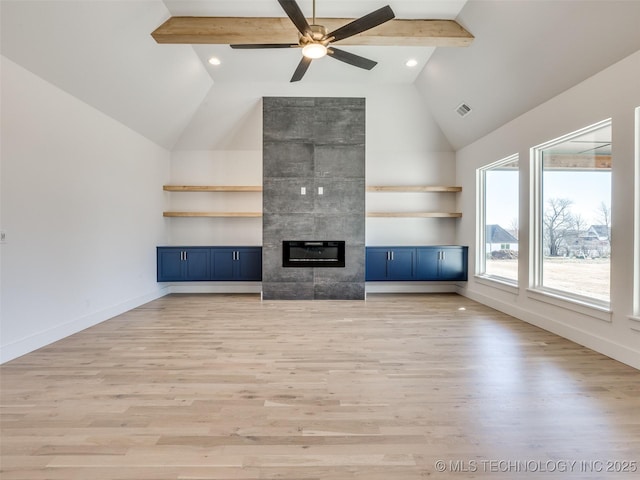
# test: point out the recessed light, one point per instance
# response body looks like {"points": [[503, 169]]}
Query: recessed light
{"points": [[214, 61], [412, 62]]}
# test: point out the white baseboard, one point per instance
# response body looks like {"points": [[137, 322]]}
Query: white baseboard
{"points": [[256, 287], [602, 345], [410, 287], [218, 287], [41, 339]]}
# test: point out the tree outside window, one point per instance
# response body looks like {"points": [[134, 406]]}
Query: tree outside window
{"points": [[574, 195]]}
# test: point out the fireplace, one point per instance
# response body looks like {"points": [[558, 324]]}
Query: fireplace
{"points": [[313, 253]]}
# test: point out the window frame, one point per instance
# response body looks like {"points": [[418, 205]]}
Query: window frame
{"points": [[537, 290], [481, 223], [636, 242]]}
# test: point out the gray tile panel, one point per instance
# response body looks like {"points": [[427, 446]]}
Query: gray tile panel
{"points": [[311, 143]]}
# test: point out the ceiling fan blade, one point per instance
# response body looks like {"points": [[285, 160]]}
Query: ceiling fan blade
{"points": [[246, 46], [351, 58], [292, 9], [362, 24], [301, 70]]}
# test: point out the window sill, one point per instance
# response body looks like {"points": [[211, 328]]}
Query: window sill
{"points": [[499, 283], [600, 312], [635, 322]]}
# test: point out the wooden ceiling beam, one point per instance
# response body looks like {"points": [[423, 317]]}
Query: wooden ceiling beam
{"points": [[563, 161], [237, 30]]}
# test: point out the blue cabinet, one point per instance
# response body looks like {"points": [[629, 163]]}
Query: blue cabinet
{"points": [[242, 263], [222, 260], [390, 263], [376, 263], [193, 264], [249, 264], [177, 264], [441, 263], [428, 263]]}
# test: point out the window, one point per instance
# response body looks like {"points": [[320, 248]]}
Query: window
{"points": [[498, 204], [572, 215]]}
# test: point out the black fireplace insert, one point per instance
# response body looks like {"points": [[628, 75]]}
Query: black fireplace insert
{"points": [[313, 253]]}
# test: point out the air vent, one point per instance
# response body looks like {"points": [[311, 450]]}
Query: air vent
{"points": [[463, 109]]}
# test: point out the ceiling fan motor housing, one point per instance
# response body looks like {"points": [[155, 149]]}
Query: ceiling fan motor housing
{"points": [[316, 34]]}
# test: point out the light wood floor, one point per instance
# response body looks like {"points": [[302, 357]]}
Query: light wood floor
{"points": [[229, 387]]}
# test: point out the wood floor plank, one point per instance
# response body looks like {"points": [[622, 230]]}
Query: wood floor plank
{"points": [[231, 387]]}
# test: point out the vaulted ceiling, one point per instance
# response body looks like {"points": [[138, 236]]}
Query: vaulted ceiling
{"points": [[524, 53]]}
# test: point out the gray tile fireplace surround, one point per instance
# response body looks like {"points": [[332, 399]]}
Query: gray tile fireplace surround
{"points": [[311, 143]]}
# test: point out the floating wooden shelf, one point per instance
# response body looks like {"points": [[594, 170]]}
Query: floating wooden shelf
{"points": [[412, 188], [415, 214], [213, 214], [212, 188]]}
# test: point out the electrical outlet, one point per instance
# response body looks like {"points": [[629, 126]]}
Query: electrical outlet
{"points": [[3, 236]]}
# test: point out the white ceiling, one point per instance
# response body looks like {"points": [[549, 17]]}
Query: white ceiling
{"points": [[442, 9], [278, 65], [101, 53], [524, 52]]}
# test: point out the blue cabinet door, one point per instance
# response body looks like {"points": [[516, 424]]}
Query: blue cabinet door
{"points": [[222, 263], [248, 264], [453, 263], [196, 264], [376, 264], [400, 265], [169, 264], [427, 260]]}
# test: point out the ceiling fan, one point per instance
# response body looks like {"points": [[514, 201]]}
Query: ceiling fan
{"points": [[316, 42]]}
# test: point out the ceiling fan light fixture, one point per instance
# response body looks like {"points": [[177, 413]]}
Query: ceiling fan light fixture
{"points": [[314, 50]]}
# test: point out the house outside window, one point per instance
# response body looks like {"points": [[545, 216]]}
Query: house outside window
{"points": [[572, 215], [498, 205]]}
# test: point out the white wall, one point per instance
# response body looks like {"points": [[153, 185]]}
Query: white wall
{"points": [[81, 207], [613, 93], [223, 144]]}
